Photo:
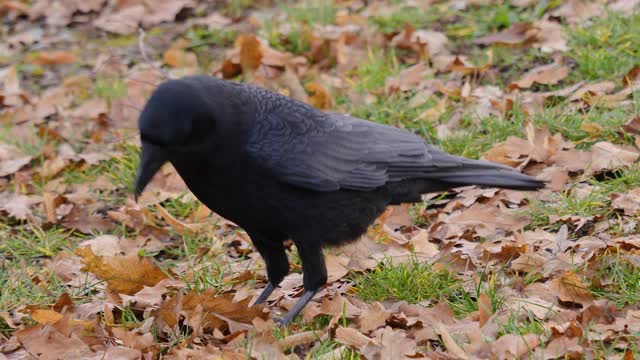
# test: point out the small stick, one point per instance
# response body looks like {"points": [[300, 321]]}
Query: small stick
{"points": [[143, 52]]}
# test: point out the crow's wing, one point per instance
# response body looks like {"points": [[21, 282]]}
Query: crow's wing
{"points": [[326, 151]]}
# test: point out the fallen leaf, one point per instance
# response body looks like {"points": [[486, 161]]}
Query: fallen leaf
{"points": [[484, 308], [352, 337], [516, 34], [632, 126], [570, 288], [628, 202], [124, 21], [546, 74], [373, 317], [52, 58], [179, 58], [18, 206], [11, 160], [123, 274]]}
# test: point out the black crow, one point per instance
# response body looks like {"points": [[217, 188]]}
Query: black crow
{"points": [[282, 169]]}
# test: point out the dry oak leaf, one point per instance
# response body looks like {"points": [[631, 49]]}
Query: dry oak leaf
{"points": [[179, 58], [352, 337], [48, 343], [390, 344], [546, 74], [318, 96], [632, 126], [18, 206], [517, 34], [164, 10], [486, 219], [123, 22], [56, 57], [217, 310], [373, 317], [512, 346], [570, 288], [629, 202], [11, 159], [123, 274], [607, 156]]}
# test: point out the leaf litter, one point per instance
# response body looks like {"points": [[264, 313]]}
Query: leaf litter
{"points": [[167, 278]]}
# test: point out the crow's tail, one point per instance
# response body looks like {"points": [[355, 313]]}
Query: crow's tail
{"points": [[501, 178]]}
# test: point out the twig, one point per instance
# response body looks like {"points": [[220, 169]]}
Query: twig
{"points": [[146, 59]]}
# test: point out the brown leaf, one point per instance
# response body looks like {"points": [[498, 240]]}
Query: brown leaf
{"points": [[11, 159], [631, 77], [123, 22], [570, 288], [123, 274], [450, 343], [351, 337], [144, 342], [512, 346], [164, 11], [337, 267], [407, 79], [607, 156], [179, 58], [392, 344], [485, 220], [265, 346], [632, 126], [517, 34], [56, 57], [302, 338], [373, 317], [319, 96], [485, 309], [18, 206], [250, 52], [629, 202], [179, 226], [546, 74], [217, 309], [53, 167], [46, 342]]}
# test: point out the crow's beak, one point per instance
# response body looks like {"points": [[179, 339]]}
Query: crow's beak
{"points": [[151, 160]]}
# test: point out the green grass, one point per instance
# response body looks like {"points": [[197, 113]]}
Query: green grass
{"points": [[236, 8], [313, 12], [296, 41], [623, 281], [121, 170], [23, 277], [32, 243], [606, 49], [410, 281], [415, 17], [621, 180], [464, 302], [200, 37], [110, 88], [380, 65], [569, 202], [521, 324], [569, 122]]}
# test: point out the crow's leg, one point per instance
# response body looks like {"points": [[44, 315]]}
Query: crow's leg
{"points": [[315, 276], [276, 260]]}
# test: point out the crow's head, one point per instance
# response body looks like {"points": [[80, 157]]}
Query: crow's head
{"points": [[180, 115]]}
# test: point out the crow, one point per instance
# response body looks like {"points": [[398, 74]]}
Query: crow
{"points": [[282, 169]]}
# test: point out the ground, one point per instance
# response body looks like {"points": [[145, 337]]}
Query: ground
{"points": [[549, 87]]}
